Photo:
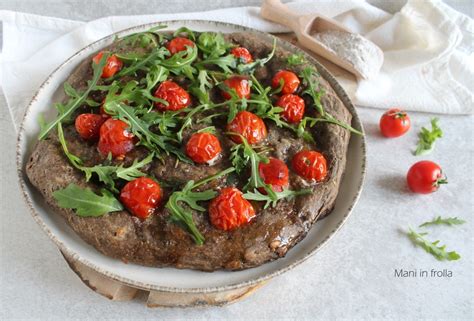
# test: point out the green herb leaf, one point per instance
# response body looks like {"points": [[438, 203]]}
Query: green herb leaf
{"points": [[439, 252], [250, 68], [295, 59], [107, 174], [444, 221], [184, 217], [85, 202], [76, 100], [427, 138], [286, 193], [212, 44]]}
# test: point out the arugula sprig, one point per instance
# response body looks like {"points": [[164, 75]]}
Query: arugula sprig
{"points": [[444, 221], [241, 156], [74, 102], [309, 76], [107, 174], [85, 202], [439, 252], [428, 137], [183, 216], [250, 68]]}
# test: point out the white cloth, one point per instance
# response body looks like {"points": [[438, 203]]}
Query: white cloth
{"points": [[427, 45]]}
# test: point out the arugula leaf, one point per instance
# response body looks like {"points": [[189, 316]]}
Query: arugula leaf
{"points": [[295, 59], [76, 100], [184, 217], [144, 39], [427, 138], [189, 33], [286, 193], [225, 62], [309, 76], [156, 56], [85, 202], [439, 252], [212, 44], [444, 221], [250, 68], [107, 174]]}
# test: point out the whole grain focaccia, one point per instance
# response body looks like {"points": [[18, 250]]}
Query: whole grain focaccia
{"points": [[193, 150]]}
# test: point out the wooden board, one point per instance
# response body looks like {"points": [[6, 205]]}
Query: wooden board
{"points": [[117, 291]]}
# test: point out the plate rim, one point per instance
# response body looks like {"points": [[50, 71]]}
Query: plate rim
{"points": [[341, 93]]}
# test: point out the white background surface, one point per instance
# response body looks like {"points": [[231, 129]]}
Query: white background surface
{"points": [[352, 277]]}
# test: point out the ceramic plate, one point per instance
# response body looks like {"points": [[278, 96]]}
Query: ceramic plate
{"points": [[171, 279]]}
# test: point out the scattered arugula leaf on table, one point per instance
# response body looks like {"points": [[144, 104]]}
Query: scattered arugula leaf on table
{"points": [[428, 137], [439, 252], [444, 221]]}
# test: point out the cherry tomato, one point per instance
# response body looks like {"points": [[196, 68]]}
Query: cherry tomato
{"points": [[174, 94], [88, 125], [203, 147], [275, 173], [230, 210], [310, 165], [115, 138], [394, 123], [141, 196], [242, 54], [293, 108], [425, 177], [249, 125], [179, 44], [112, 66], [290, 81], [239, 84]]}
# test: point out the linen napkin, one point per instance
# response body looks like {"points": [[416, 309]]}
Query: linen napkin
{"points": [[427, 45]]}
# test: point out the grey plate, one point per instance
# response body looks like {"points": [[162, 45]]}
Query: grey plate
{"points": [[170, 279]]}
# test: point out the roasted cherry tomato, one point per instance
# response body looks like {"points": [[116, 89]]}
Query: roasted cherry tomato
{"points": [[88, 125], [290, 81], [230, 209], [112, 66], [174, 94], [179, 44], [310, 165], [394, 123], [203, 147], [240, 85], [275, 173], [115, 138], [242, 54], [249, 125], [425, 177], [293, 108], [141, 196]]}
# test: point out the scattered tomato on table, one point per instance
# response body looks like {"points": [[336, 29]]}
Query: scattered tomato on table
{"points": [[394, 123], [425, 177]]}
